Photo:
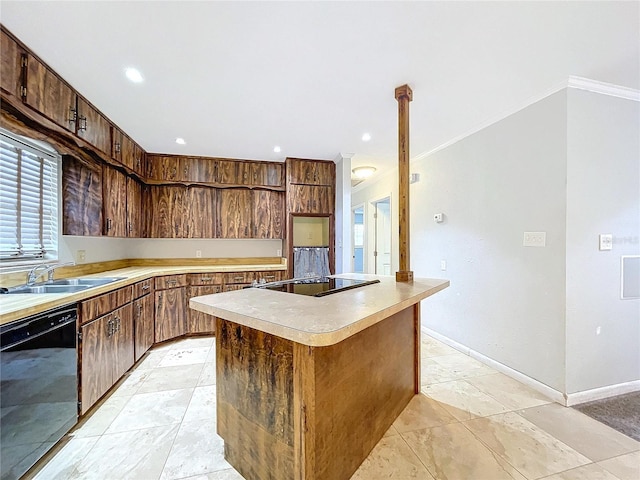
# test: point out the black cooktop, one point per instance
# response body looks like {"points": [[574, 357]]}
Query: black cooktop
{"points": [[317, 286]]}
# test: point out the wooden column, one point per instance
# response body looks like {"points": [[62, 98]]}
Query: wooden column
{"points": [[404, 95]]}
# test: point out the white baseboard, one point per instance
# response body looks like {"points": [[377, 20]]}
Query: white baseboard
{"points": [[555, 395]]}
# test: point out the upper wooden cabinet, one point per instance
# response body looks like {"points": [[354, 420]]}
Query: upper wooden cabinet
{"points": [[49, 95], [250, 213], [93, 127], [135, 203], [168, 218], [268, 214], [168, 168], [127, 152], [11, 66], [115, 202], [81, 197], [310, 172], [201, 211], [315, 199]]}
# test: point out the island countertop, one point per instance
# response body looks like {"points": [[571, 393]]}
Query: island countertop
{"points": [[318, 321]]}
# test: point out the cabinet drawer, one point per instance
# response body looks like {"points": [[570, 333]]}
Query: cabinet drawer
{"points": [[171, 281], [238, 277], [274, 276], [103, 304], [142, 288], [205, 278]]}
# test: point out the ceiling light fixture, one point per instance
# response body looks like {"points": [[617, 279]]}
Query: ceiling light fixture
{"points": [[366, 137], [363, 172], [133, 74], [180, 141], [276, 149]]}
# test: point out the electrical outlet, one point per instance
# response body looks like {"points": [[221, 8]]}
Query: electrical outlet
{"points": [[198, 253], [278, 253], [606, 241], [443, 265], [438, 217], [534, 239], [81, 256]]}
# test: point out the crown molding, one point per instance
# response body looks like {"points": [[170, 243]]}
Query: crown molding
{"points": [[603, 88]]}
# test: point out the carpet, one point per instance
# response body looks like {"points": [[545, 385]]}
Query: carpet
{"points": [[621, 412]]}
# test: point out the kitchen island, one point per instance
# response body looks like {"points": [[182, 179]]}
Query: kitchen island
{"points": [[307, 386]]}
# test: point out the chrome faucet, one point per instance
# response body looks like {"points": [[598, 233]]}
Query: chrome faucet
{"points": [[35, 272]]}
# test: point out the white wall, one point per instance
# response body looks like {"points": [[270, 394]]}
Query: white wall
{"points": [[343, 247], [534, 309], [103, 248], [603, 196]]}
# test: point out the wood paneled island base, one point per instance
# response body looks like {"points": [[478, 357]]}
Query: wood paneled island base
{"points": [[291, 411]]}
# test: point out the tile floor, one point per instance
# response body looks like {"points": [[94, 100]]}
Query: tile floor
{"points": [[470, 423]]}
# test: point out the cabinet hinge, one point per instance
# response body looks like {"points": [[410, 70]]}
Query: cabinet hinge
{"points": [[79, 406], [24, 61], [79, 336], [23, 91]]}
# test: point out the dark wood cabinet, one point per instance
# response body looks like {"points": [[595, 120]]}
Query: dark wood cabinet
{"points": [[115, 202], [267, 174], [200, 209], [135, 215], [168, 219], [143, 317], [10, 65], [268, 214], [124, 341], [166, 168], [93, 127], [49, 95], [127, 152], [311, 199], [96, 360], [81, 197], [235, 213], [311, 172], [170, 307], [199, 322], [200, 170]]}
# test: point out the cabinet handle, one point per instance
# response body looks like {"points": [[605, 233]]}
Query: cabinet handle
{"points": [[82, 123], [269, 277], [146, 286], [117, 145], [206, 279], [73, 115], [117, 325], [238, 279], [186, 172], [159, 301], [108, 224], [174, 172], [129, 227], [109, 328], [137, 164]]}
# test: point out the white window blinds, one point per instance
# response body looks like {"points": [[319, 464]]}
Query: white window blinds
{"points": [[28, 201]]}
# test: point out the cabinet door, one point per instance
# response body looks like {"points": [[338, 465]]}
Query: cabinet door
{"points": [[93, 127], [115, 202], [310, 172], [143, 325], [200, 170], [139, 160], [124, 344], [202, 212], [81, 197], [234, 213], [123, 149], [266, 174], [10, 65], [227, 172], [97, 354], [199, 322], [135, 220], [171, 307], [168, 219], [268, 214], [311, 199], [166, 168], [49, 95]]}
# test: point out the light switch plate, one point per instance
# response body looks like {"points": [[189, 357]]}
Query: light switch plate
{"points": [[606, 241]]}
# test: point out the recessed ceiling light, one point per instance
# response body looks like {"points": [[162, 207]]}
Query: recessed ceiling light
{"points": [[133, 74], [276, 149], [366, 137], [363, 172], [180, 141]]}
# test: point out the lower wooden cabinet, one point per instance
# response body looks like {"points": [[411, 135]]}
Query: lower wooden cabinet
{"points": [[199, 322], [143, 324], [107, 352], [171, 313]]}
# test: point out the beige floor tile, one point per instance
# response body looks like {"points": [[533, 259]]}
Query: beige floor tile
{"points": [[510, 393], [591, 438], [592, 471], [136, 454], [463, 400], [185, 356], [433, 372], [527, 447], [451, 452], [131, 382], [430, 347], [171, 378], [196, 450], [392, 459], [202, 405], [422, 412], [463, 366], [64, 463], [625, 467], [147, 410], [101, 418], [391, 432], [152, 359], [208, 375]]}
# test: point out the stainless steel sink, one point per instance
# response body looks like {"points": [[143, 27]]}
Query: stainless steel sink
{"points": [[65, 285]]}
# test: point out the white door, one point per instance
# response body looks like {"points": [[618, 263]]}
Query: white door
{"points": [[382, 251]]}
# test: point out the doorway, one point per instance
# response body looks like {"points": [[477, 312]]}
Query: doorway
{"points": [[382, 236], [357, 218]]}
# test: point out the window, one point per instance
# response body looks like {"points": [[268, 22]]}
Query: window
{"points": [[28, 201]]}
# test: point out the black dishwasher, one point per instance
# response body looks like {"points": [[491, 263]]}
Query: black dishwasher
{"points": [[38, 387]]}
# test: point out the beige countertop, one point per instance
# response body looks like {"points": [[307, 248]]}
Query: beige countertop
{"points": [[318, 321], [16, 306]]}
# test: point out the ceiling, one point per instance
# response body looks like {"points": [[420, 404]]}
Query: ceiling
{"points": [[234, 79]]}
